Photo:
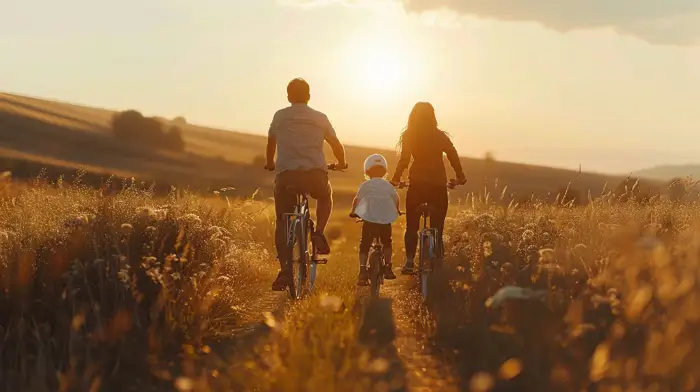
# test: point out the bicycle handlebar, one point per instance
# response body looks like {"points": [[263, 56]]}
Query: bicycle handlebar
{"points": [[330, 166], [452, 184], [355, 216], [336, 167]]}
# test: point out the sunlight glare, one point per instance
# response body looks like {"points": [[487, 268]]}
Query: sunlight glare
{"points": [[379, 67]]}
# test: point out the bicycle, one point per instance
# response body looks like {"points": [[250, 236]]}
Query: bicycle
{"points": [[299, 227], [376, 261], [428, 244]]}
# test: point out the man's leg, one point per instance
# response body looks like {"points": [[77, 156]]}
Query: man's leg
{"points": [[323, 193], [284, 203]]}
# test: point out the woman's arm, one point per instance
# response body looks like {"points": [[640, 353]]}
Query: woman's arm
{"points": [[397, 202], [451, 152], [404, 161]]}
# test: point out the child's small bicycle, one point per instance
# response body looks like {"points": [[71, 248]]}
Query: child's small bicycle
{"points": [[376, 262]]}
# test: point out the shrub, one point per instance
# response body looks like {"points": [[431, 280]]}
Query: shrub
{"points": [[174, 140], [131, 126]]}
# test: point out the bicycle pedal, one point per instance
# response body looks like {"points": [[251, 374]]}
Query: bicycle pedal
{"points": [[321, 260]]}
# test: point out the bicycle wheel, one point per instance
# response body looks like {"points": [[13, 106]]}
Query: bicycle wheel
{"points": [[425, 270], [310, 254], [298, 262], [375, 271]]}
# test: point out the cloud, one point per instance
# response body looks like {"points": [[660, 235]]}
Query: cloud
{"points": [[661, 22], [318, 3]]}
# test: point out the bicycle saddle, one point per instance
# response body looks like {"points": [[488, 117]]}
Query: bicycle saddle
{"points": [[424, 209], [293, 189]]}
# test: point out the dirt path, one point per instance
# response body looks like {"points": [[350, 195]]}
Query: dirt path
{"points": [[425, 371], [412, 356]]}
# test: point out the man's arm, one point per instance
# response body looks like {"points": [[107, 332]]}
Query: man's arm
{"points": [[270, 151], [332, 140], [338, 151], [271, 143]]}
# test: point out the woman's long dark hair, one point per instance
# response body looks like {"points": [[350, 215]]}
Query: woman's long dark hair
{"points": [[421, 128]]}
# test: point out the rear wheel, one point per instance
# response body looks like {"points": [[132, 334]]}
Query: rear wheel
{"points": [[425, 267]]}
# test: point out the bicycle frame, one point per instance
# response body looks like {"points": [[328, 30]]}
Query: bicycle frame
{"points": [[299, 227], [376, 266]]}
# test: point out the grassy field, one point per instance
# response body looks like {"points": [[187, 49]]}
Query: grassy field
{"points": [[36, 134], [135, 292]]}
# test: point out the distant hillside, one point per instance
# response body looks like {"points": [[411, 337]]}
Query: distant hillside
{"points": [[37, 133], [668, 172]]}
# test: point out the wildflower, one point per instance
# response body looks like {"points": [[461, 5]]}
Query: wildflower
{"points": [[547, 255], [146, 214], [481, 382], [379, 366], [599, 362], [510, 369], [124, 276], [331, 302], [578, 248], [126, 228], [214, 232], [184, 384], [271, 321], [190, 219], [528, 235]]}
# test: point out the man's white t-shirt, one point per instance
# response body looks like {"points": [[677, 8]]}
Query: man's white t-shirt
{"points": [[377, 201], [300, 132]]}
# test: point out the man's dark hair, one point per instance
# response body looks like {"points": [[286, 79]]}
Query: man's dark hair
{"points": [[298, 91]]}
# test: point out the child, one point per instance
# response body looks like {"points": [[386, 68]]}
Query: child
{"points": [[377, 203]]}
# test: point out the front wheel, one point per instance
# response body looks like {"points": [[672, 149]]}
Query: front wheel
{"points": [[299, 286], [376, 272]]}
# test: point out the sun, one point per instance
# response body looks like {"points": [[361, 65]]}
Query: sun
{"points": [[380, 70], [378, 67]]}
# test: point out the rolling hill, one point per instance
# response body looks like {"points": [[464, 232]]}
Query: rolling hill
{"points": [[62, 137], [669, 172]]}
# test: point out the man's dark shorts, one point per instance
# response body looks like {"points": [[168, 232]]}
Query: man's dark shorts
{"points": [[314, 182]]}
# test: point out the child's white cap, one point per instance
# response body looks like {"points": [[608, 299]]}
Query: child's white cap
{"points": [[375, 160]]}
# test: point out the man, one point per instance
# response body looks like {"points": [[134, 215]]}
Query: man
{"points": [[297, 133]]}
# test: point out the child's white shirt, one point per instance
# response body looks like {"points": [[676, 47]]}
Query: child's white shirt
{"points": [[377, 201]]}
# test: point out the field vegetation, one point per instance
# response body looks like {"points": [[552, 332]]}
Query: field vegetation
{"points": [[136, 292]]}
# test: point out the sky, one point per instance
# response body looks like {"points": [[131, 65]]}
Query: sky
{"points": [[611, 85]]}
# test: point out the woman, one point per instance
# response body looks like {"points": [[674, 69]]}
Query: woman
{"points": [[425, 143]]}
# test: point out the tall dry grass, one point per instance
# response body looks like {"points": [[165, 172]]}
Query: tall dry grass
{"points": [[130, 292], [109, 293], [622, 308]]}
